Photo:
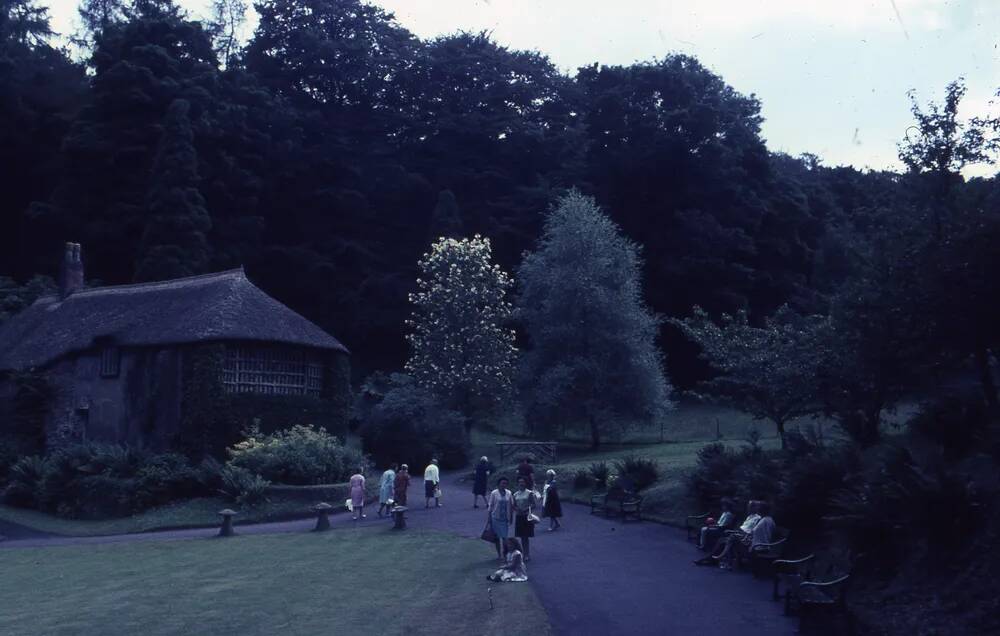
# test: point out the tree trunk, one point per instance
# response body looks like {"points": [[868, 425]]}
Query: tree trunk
{"points": [[595, 433], [870, 434], [986, 376], [781, 432]]}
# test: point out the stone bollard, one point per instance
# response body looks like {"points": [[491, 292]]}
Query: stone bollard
{"points": [[227, 523], [399, 517], [322, 516]]}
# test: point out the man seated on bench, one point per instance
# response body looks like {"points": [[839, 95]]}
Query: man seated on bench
{"points": [[711, 532], [722, 547]]}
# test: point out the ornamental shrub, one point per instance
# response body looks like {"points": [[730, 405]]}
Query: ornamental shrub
{"points": [[243, 487], [100, 480], [300, 455], [642, 472], [600, 472], [411, 426]]}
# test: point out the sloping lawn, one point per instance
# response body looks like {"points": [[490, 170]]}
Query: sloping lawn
{"points": [[346, 581], [190, 513]]}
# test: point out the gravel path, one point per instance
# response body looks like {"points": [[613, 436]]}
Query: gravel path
{"points": [[594, 576]]}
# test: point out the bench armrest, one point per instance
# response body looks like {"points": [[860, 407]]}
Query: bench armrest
{"points": [[768, 546], [794, 562], [697, 518], [826, 584]]}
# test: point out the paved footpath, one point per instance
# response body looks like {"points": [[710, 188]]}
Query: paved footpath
{"points": [[594, 576]]}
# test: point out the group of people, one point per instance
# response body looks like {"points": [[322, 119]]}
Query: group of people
{"points": [[510, 515], [725, 544], [392, 489]]}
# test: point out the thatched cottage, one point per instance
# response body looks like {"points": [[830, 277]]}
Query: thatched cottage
{"points": [[150, 364]]}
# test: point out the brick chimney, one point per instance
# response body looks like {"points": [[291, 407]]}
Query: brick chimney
{"points": [[71, 276]]}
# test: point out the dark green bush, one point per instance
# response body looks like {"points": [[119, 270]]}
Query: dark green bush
{"points": [[809, 481], [714, 476], [165, 478], [744, 474], [582, 480], [410, 426], [958, 423], [27, 482], [12, 449], [100, 480], [300, 455], [897, 504], [641, 471], [600, 471], [243, 487]]}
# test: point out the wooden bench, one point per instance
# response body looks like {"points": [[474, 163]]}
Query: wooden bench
{"points": [[790, 573], [821, 604], [624, 502], [763, 555], [693, 525]]}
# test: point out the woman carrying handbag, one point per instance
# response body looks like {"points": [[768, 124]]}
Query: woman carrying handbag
{"points": [[499, 517]]}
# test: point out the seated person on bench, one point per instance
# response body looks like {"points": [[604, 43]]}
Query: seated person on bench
{"points": [[710, 533], [745, 543], [722, 546]]}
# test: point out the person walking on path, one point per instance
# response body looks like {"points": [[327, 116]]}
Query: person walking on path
{"points": [[400, 484], [551, 506], [385, 489], [524, 523], [483, 470], [500, 514], [432, 481], [526, 470], [358, 494]]}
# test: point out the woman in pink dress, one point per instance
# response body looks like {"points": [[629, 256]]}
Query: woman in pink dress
{"points": [[358, 494]]}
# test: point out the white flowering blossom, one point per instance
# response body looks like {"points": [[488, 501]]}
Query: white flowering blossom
{"points": [[460, 344]]}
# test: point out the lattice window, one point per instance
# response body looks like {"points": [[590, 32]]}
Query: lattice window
{"points": [[110, 361], [272, 370]]}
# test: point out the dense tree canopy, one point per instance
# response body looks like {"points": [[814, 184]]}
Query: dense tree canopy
{"points": [[331, 147]]}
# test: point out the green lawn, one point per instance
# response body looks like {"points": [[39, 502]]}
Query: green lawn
{"points": [[189, 513], [347, 581], [685, 431], [674, 444]]}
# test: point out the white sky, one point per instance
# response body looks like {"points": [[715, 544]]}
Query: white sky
{"points": [[832, 75]]}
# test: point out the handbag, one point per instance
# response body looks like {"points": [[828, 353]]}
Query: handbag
{"points": [[488, 533], [533, 518], [437, 493], [349, 505]]}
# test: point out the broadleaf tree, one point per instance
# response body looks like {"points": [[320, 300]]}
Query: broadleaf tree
{"points": [[769, 371], [462, 347], [593, 360]]}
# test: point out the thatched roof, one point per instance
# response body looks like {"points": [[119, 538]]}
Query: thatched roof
{"points": [[213, 307]]}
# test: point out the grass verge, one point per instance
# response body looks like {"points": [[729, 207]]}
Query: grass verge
{"points": [[347, 581], [285, 502]]}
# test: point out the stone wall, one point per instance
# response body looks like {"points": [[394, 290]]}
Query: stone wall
{"points": [[139, 407]]}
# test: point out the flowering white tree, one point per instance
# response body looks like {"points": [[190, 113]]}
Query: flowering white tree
{"points": [[461, 348]]}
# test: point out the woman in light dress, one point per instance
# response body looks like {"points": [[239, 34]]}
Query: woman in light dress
{"points": [[500, 514], [358, 494], [386, 489], [514, 571]]}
